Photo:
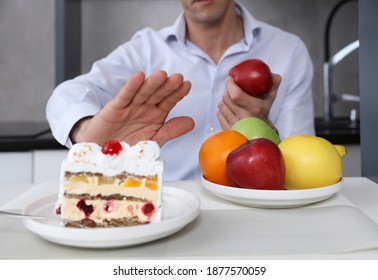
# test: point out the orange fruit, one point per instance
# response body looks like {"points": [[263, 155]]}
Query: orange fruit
{"points": [[132, 183], [213, 154], [152, 183]]}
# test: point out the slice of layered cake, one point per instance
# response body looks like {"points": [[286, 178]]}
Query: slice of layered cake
{"points": [[113, 185]]}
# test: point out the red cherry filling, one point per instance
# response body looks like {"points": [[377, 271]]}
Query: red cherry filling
{"points": [[58, 210], [112, 147], [148, 209], [87, 209], [109, 206]]}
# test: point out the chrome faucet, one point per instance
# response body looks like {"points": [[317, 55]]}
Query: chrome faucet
{"points": [[329, 97]]}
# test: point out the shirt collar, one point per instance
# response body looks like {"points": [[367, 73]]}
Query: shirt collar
{"points": [[252, 27], [177, 31]]}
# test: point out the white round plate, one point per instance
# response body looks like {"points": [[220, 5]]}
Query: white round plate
{"points": [[179, 208], [272, 198]]}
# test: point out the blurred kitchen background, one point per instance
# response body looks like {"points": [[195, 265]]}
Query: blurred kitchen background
{"points": [[43, 42]]}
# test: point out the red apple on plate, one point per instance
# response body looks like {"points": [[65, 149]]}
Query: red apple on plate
{"points": [[257, 164], [253, 76]]}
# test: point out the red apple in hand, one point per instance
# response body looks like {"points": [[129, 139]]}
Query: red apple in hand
{"points": [[257, 164], [253, 76]]}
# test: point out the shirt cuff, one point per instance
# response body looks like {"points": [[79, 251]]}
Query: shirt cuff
{"points": [[62, 128]]}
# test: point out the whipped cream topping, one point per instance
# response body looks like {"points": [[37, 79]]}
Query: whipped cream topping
{"points": [[141, 159]]}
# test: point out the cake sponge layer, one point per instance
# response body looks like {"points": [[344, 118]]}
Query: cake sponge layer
{"points": [[109, 212]]}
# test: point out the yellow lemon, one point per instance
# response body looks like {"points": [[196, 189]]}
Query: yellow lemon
{"points": [[341, 149], [311, 162]]}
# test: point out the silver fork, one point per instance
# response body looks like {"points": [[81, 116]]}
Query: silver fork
{"points": [[16, 213]]}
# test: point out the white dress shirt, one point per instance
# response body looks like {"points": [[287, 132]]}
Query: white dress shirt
{"points": [[168, 49]]}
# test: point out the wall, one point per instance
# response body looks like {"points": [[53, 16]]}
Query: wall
{"points": [[368, 26], [26, 58]]}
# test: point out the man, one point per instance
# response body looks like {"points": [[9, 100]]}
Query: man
{"points": [[139, 91]]}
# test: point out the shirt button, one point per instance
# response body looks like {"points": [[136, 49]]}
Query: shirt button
{"points": [[212, 128]]}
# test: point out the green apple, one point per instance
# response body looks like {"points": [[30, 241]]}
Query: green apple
{"points": [[253, 128]]}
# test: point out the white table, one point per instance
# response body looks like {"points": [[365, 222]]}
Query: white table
{"points": [[16, 242]]}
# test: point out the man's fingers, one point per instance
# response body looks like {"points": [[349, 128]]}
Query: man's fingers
{"points": [[171, 100], [273, 92], [227, 112], [276, 80], [150, 86], [158, 89], [173, 128], [223, 122], [172, 83], [129, 90]]}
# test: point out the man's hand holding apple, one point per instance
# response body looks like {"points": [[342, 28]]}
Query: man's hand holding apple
{"points": [[237, 103]]}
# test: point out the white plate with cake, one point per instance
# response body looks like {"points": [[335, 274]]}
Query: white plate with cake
{"points": [[115, 191], [179, 208], [272, 198]]}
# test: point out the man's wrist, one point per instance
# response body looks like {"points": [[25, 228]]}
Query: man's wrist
{"points": [[77, 133]]}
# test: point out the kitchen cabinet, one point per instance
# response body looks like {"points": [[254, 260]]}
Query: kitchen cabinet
{"points": [[16, 167], [31, 167], [46, 165], [29, 153]]}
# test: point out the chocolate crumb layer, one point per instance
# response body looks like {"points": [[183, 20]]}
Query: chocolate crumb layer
{"points": [[124, 222], [121, 176], [104, 197]]}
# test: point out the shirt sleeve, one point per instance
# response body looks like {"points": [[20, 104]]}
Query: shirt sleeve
{"points": [[296, 112]]}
